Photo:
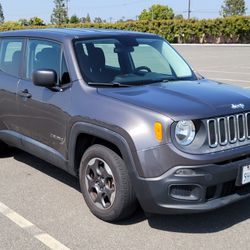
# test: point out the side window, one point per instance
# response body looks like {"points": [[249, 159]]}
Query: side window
{"points": [[43, 55], [11, 56]]}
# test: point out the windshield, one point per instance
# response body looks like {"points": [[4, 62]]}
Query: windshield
{"points": [[131, 61]]}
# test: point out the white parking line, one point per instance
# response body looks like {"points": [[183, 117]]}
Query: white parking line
{"points": [[32, 229], [50, 242], [19, 220]]}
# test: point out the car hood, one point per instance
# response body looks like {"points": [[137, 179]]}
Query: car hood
{"points": [[185, 99]]}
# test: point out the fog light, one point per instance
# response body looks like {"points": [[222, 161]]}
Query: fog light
{"points": [[185, 192], [185, 171]]}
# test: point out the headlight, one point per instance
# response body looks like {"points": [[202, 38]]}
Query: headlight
{"points": [[185, 132]]}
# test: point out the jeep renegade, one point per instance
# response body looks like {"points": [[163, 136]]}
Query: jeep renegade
{"points": [[124, 113]]}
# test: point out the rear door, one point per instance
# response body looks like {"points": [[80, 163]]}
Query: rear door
{"points": [[44, 112], [11, 56]]}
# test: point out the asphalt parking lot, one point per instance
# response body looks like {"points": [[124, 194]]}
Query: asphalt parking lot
{"points": [[230, 64], [41, 207]]}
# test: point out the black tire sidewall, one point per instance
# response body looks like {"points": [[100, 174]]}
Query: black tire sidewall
{"points": [[119, 171], [4, 148]]}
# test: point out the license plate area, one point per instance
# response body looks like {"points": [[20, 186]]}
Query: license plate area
{"points": [[245, 175]]}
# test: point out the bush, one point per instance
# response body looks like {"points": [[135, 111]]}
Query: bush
{"points": [[221, 30]]}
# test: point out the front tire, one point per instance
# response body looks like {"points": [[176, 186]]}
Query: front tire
{"points": [[105, 184], [4, 148]]}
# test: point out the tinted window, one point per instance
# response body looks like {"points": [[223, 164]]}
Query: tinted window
{"points": [[43, 55], [11, 56], [130, 60]]}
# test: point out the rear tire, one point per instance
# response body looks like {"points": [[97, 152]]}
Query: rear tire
{"points": [[105, 184]]}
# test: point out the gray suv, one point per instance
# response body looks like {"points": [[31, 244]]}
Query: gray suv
{"points": [[127, 115]]}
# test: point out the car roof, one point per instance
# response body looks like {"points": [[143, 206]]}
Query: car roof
{"points": [[61, 34]]}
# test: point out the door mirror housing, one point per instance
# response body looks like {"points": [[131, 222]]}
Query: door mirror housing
{"points": [[45, 78]]}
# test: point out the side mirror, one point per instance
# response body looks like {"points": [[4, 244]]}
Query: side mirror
{"points": [[45, 78]]}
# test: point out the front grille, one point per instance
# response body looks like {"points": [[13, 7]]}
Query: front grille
{"points": [[229, 188], [228, 129]]}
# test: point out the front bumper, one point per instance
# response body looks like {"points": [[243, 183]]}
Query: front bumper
{"points": [[216, 185]]}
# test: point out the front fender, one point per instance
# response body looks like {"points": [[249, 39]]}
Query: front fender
{"points": [[120, 138]]}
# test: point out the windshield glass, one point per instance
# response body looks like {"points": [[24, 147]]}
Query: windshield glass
{"points": [[130, 60]]}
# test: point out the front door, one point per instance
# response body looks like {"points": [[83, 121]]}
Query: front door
{"points": [[44, 115]]}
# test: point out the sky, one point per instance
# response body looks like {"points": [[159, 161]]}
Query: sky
{"points": [[108, 9]]}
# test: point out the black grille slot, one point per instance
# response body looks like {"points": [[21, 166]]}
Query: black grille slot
{"points": [[210, 193], [229, 188], [241, 127], [212, 133], [222, 129], [248, 124], [232, 134]]}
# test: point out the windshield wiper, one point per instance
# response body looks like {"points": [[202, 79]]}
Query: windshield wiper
{"points": [[127, 84], [147, 81], [109, 84]]}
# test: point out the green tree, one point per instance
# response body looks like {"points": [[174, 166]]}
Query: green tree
{"points": [[36, 21], [129, 20], [60, 13], [98, 20], [1, 14], [74, 19], [23, 22], [157, 12], [86, 19], [233, 8], [179, 17], [120, 20]]}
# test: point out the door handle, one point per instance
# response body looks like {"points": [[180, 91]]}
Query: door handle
{"points": [[24, 93]]}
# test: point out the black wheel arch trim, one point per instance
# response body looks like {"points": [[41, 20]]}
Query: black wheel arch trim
{"points": [[120, 139]]}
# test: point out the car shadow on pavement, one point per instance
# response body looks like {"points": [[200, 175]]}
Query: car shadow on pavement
{"points": [[214, 221], [210, 222], [47, 169]]}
